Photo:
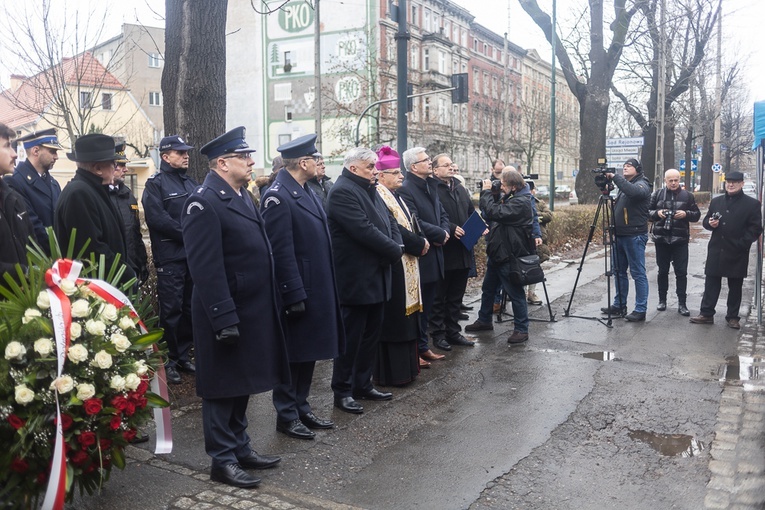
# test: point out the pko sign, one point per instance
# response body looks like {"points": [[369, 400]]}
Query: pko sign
{"points": [[295, 16]]}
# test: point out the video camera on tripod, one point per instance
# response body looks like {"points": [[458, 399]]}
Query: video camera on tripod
{"points": [[601, 179]]}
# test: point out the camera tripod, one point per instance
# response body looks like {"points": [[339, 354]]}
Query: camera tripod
{"points": [[503, 314], [604, 213]]}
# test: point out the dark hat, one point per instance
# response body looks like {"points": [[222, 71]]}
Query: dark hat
{"points": [[734, 176], [173, 143], [230, 142], [46, 138], [120, 150], [635, 163], [299, 147], [92, 148]]}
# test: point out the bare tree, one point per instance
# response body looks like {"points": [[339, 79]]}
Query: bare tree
{"points": [[194, 76]]}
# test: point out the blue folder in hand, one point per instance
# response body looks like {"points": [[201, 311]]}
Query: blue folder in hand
{"points": [[474, 228]]}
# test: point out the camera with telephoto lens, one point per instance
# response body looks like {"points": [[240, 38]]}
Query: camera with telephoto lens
{"points": [[668, 216], [601, 179], [715, 216], [496, 187]]}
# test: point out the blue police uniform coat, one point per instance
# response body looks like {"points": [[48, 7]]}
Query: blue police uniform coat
{"points": [[230, 260], [297, 229], [40, 194]]}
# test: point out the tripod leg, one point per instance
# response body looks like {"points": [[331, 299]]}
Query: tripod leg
{"points": [[590, 235], [547, 299]]}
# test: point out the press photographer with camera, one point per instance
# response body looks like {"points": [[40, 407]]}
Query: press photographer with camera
{"points": [[671, 210], [631, 229]]}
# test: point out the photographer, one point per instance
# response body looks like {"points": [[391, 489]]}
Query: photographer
{"points": [[631, 229], [508, 209], [671, 209]]}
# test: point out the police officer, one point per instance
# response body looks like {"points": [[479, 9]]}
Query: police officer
{"points": [[298, 232], [127, 206], [32, 180], [163, 199], [237, 335]]}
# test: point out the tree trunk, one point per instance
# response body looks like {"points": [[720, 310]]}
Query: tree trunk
{"points": [[593, 111], [194, 76]]}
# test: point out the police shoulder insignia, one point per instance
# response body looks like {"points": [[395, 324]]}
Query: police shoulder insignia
{"points": [[271, 200], [192, 205]]}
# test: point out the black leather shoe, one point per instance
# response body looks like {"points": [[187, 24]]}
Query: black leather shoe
{"points": [[256, 461], [683, 310], [661, 306], [442, 344], [463, 316], [312, 421], [635, 317], [465, 308], [461, 340], [294, 428], [172, 375], [139, 438], [616, 311], [373, 394], [348, 405], [186, 366], [233, 474], [480, 326]]}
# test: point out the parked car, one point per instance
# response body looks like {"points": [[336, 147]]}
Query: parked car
{"points": [[562, 192], [750, 189], [572, 198], [543, 192]]}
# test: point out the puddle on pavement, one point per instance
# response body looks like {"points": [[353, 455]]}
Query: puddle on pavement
{"points": [[741, 368], [669, 445], [601, 355]]}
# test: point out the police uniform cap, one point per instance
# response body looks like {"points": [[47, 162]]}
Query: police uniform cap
{"points": [[230, 142], [299, 147], [120, 150], [92, 148], [734, 176], [45, 138], [173, 143]]}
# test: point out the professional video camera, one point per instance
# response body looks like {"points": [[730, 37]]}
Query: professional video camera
{"points": [[601, 179]]}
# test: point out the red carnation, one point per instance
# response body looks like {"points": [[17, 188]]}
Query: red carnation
{"points": [[119, 403], [19, 465], [79, 458], [129, 435], [93, 405], [141, 402], [143, 387], [87, 438], [105, 444], [15, 421], [130, 409], [116, 421], [66, 422]]}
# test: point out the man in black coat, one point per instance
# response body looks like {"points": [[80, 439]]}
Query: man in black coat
{"points": [[313, 325], [15, 225], [84, 205], [33, 181], [163, 197], [365, 242], [736, 222], [320, 184], [237, 335], [672, 209], [444, 318], [127, 206], [421, 196]]}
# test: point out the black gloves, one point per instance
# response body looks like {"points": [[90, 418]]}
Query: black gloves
{"points": [[228, 336], [295, 310]]}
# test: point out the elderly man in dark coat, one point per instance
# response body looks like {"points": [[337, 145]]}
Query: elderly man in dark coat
{"points": [[297, 229], [85, 206], [15, 225], [736, 222], [365, 242], [33, 181], [237, 335]]}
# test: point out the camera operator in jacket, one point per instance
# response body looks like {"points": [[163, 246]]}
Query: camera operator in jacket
{"points": [[671, 210]]}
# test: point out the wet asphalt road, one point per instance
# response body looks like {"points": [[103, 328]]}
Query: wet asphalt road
{"points": [[498, 427]]}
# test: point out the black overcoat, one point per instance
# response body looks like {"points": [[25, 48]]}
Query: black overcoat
{"points": [[421, 196], [40, 194], [127, 207], [230, 261], [740, 226], [297, 229], [15, 229], [458, 206], [365, 241], [85, 205]]}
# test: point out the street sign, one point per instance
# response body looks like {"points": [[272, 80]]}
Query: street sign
{"points": [[622, 150], [635, 141], [694, 165], [717, 168], [575, 171]]}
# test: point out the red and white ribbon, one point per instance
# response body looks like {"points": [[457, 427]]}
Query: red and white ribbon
{"points": [[61, 315]]}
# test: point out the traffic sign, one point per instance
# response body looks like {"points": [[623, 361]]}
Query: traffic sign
{"points": [[717, 168], [694, 165], [635, 141]]}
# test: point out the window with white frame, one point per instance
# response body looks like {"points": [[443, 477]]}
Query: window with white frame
{"points": [[155, 98], [426, 20], [426, 112], [155, 60], [86, 100], [442, 62], [485, 84], [443, 111], [426, 60], [106, 101], [415, 51], [414, 15]]}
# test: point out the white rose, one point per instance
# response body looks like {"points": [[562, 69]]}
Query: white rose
{"points": [[24, 395], [85, 290], [121, 342], [109, 313], [126, 323], [95, 327], [30, 314], [80, 308], [15, 350], [77, 353], [102, 359], [63, 384], [43, 300], [85, 391], [140, 367], [43, 346], [75, 330], [67, 286], [117, 383], [132, 381]]}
